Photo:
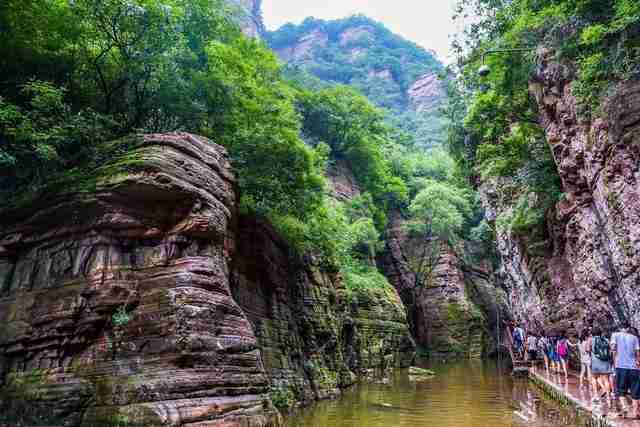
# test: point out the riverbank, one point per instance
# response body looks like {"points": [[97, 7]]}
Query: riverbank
{"points": [[569, 392]]}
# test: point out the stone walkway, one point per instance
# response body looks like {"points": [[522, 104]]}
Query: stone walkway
{"points": [[603, 413]]}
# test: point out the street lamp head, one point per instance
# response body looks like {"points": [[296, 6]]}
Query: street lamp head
{"points": [[484, 71]]}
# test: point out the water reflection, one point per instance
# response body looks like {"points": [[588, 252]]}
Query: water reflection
{"points": [[462, 394]]}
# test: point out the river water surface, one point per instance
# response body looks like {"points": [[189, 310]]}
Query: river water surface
{"points": [[470, 394]]}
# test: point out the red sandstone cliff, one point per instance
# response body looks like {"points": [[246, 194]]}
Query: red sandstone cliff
{"points": [[588, 269], [136, 295], [456, 314]]}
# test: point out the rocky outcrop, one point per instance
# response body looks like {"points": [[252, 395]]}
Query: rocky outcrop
{"points": [[356, 34], [344, 185], [116, 303], [304, 46], [588, 269], [134, 294], [427, 92], [249, 16], [445, 315], [314, 335]]}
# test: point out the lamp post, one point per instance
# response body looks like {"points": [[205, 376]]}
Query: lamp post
{"points": [[485, 70]]}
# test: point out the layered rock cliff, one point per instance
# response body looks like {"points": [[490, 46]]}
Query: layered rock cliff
{"points": [[136, 294], [456, 313], [585, 266], [150, 240], [315, 336]]}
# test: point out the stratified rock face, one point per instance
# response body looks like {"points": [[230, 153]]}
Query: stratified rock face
{"points": [[133, 296], [445, 319], [356, 34], [427, 93], [524, 267], [150, 242], [315, 337], [344, 186], [304, 47], [590, 269]]}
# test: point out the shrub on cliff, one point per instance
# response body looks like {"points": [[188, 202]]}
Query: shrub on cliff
{"points": [[438, 215], [355, 130], [44, 137]]}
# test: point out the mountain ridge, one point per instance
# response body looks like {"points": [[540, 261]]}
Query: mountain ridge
{"points": [[394, 73]]}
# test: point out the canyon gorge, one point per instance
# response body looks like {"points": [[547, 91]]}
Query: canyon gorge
{"points": [[164, 278]]}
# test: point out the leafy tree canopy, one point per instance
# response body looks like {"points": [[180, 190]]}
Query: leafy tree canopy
{"points": [[355, 130], [78, 73], [361, 53]]}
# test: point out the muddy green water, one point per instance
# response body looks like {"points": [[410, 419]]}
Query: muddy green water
{"points": [[470, 394]]}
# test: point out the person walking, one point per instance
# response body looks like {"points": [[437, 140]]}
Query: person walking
{"points": [[518, 341], [543, 348], [562, 349], [625, 349], [553, 354], [600, 364], [585, 358], [532, 350]]}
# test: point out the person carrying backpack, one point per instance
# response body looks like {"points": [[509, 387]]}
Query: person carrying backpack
{"points": [[562, 349], [518, 341], [600, 364], [543, 348], [625, 350]]}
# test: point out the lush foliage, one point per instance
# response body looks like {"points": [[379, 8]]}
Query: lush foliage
{"points": [[495, 130], [355, 130], [600, 37], [78, 73], [439, 211], [364, 54], [44, 136], [438, 214], [252, 113]]}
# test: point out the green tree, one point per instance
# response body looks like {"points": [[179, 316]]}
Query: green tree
{"points": [[44, 137], [355, 130], [150, 66], [252, 113], [438, 214]]}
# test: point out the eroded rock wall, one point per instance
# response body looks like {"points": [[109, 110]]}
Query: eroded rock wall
{"points": [[446, 316], [135, 294], [316, 337], [588, 268], [152, 241], [248, 13]]}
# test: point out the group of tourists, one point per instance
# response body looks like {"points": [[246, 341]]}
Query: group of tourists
{"points": [[609, 364]]}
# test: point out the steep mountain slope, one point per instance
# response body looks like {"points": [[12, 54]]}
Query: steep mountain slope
{"points": [[392, 72], [554, 138], [249, 15], [454, 314]]}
